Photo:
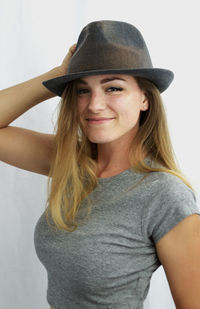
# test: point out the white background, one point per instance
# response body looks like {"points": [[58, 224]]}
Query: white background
{"points": [[35, 36]]}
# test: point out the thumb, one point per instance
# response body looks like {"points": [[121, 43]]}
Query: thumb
{"points": [[67, 58]]}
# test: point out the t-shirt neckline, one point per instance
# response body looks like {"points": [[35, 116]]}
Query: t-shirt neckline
{"points": [[123, 173], [104, 179]]}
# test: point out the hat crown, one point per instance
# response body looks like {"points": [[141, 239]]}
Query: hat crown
{"points": [[109, 44], [111, 47]]}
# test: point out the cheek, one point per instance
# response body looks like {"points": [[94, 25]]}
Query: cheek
{"points": [[130, 119], [128, 109]]}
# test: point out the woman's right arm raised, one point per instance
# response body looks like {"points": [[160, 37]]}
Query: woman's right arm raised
{"points": [[20, 147]]}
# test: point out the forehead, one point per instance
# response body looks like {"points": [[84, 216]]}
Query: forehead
{"points": [[104, 78]]}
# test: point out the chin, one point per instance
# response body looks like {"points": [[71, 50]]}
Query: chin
{"points": [[97, 141], [101, 140]]}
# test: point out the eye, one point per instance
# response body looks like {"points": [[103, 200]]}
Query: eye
{"points": [[81, 91], [110, 89], [114, 89]]}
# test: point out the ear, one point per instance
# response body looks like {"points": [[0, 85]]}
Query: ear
{"points": [[145, 103]]}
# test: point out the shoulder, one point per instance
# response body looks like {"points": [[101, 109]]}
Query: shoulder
{"points": [[168, 201], [164, 177], [169, 191], [163, 183]]}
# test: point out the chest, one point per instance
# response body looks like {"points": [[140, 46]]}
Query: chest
{"points": [[109, 244]]}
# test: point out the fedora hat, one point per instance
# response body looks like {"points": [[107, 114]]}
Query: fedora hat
{"points": [[110, 47]]}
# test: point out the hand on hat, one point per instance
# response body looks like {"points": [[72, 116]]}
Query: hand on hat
{"points": [[64, 65]]}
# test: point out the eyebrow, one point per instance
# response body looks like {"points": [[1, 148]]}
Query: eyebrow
{"points": [[103, 81]]}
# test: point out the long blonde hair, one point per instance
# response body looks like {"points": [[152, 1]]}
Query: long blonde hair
{"points": [[72, 174]]}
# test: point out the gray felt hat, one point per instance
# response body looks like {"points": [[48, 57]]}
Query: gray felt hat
{"points": [[110, 47]]}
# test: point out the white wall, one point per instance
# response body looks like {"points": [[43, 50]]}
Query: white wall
{"points": [[35, 36]]}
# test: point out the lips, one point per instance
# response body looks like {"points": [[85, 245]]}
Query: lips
{"points": [[99, 120]]}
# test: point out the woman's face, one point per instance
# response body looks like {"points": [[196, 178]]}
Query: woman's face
{"points": [[109, 107]]}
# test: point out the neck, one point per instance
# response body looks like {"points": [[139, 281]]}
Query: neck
{"points": [[112, 158]]}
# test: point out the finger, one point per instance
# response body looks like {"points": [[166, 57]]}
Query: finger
{"points": [[72, 48]]}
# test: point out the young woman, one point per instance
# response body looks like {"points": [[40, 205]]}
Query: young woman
{"points": [[118, 206]]}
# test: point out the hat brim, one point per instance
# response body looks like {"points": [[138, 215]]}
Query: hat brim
{"points": [[162, 78]]}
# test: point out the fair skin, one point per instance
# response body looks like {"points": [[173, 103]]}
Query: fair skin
{"points": [[118, 100]]}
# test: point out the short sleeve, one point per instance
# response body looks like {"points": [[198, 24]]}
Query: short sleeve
{"points": [[169, 201]]}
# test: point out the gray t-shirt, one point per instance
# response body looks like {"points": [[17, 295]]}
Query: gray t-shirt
{"points": [[108, 261]]}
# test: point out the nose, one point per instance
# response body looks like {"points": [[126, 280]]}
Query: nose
{"points": [[96, 103]]}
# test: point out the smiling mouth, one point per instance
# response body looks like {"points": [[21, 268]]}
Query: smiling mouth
{"points": [[99, 121]]}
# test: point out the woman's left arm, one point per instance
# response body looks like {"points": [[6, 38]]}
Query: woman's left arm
{"points": [[179, 254]]}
